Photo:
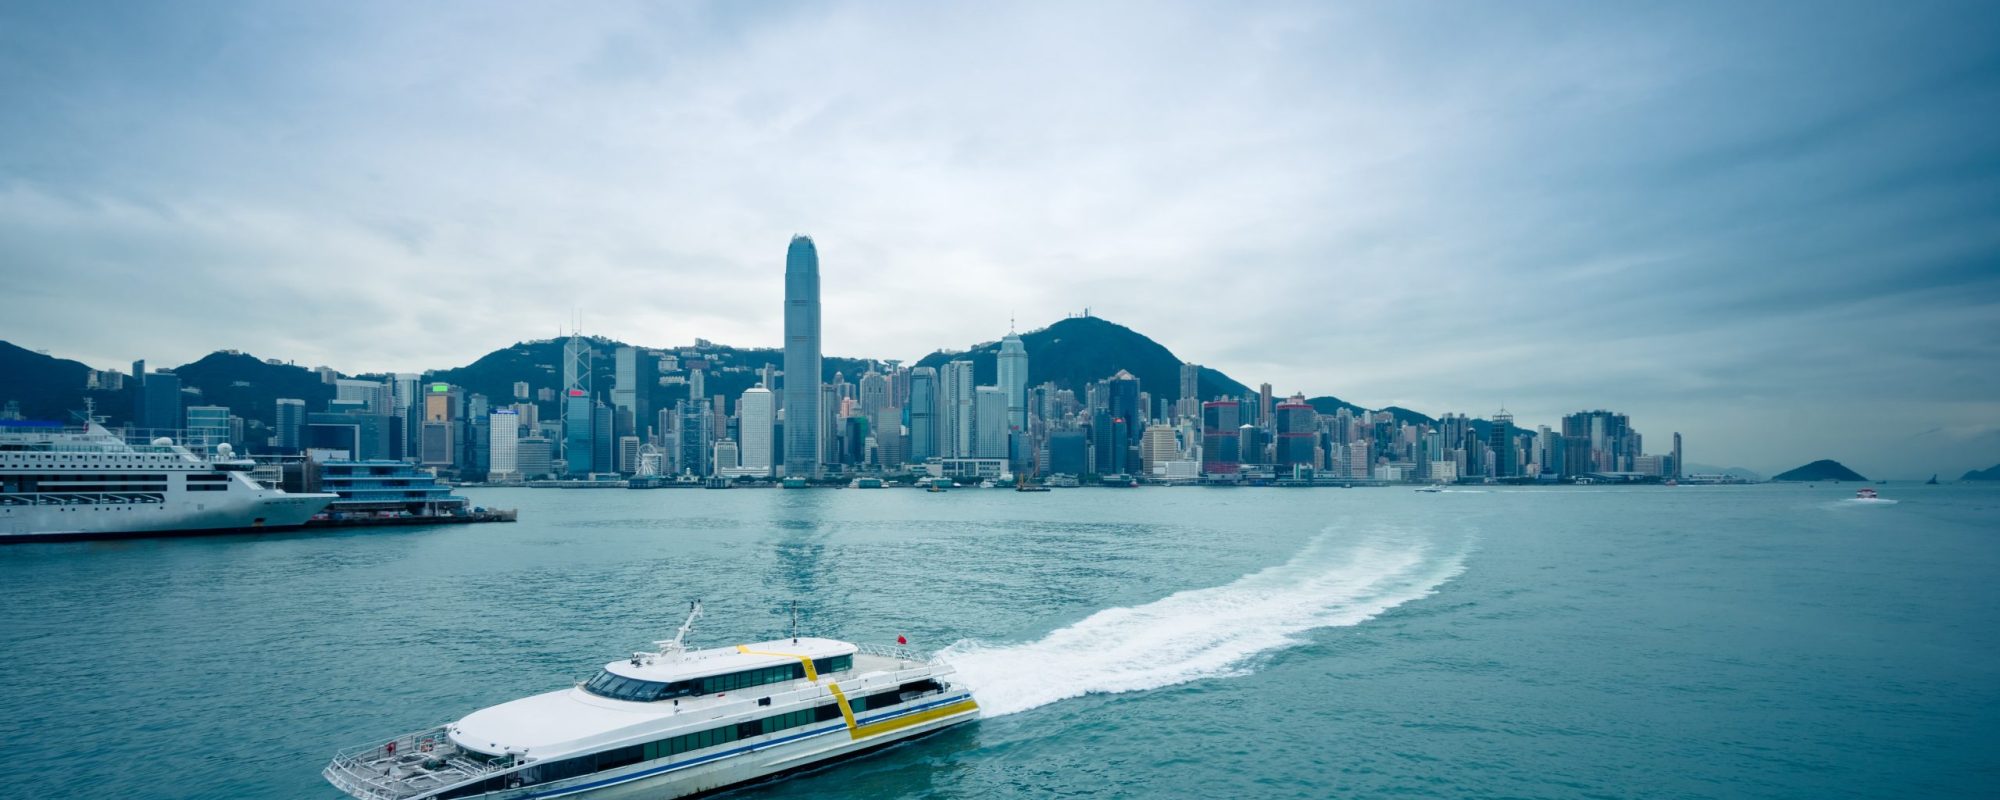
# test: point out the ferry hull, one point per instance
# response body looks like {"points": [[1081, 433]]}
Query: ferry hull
{"points": [[760, 761]]}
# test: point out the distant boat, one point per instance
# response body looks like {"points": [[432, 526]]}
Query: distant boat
{"points": [[938, 485], [1932, 481], [866, 483], [1435, 487], [1866, 494], [794, 483]]}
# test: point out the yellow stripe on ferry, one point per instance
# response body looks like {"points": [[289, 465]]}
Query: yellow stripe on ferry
{"points": [[907, 720], [811, 674]]}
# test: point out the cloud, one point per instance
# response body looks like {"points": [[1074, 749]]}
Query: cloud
{"points": [[1752, 224]]}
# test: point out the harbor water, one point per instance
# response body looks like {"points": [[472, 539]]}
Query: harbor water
{"points": [[1763, 641]]}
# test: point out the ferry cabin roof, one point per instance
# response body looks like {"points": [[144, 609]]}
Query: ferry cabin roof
{"points": [[625, 699], [722, 660]]}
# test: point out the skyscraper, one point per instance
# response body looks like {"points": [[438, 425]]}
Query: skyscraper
{"points": [[1190, 399], [1013, 382], [1297, 427], [955, 396], [1501, 439], [754, 418], [578, 441], [503, 448], [291, 425], [802, 412], [923, 414], [990, 418], [1220, 444], [636, 371]]}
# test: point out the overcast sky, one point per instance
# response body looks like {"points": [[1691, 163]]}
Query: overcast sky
{"points": [[1773, 227]]}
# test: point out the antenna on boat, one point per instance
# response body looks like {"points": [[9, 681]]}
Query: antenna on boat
{"points": [[677, 645], [795, 622]]}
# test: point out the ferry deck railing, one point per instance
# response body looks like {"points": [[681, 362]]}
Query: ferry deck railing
{"points": [[398, 768]]}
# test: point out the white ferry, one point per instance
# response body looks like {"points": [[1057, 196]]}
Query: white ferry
{"points": [[670, 723], [88, 483]]}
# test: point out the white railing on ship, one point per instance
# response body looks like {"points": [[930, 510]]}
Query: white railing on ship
{"points": [[351, 775], [898, 653]]}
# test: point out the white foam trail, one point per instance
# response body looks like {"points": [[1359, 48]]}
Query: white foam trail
{"points": [[1205, 633]]}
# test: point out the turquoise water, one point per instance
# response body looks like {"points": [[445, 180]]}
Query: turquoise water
{"points": [[1769, 641]]}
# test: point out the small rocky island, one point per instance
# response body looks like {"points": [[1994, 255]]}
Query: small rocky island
{"points": [[1825, 469]]}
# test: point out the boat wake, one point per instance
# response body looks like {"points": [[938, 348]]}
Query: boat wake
{"points": [[1207, 633]]}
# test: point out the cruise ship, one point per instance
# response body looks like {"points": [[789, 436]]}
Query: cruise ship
{"points": [[670, 723], [87, 483]]}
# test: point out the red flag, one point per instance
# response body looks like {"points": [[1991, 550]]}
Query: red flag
{"points": [[901, 640]]}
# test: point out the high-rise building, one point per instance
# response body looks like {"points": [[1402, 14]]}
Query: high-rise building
{"points": [[628, 455], [1069, 453], [1157, 445], [957, 395], [631, 392], [1297, 428], [1011, 369], [872, 394], [439, 442], [503, 448], [160, 402], [802, 359], [603, 439], [989, 422], [924, 402], [1264, 408], [579, 441], [1501, 440], [1122, 397], [532, 457], [1220, 441], [754, 417], [207, 426], [1189, 402], [726, 456], [694, 433], [291, 425]]}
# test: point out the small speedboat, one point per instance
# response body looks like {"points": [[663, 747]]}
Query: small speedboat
{"points": [[1433, 488], [1866, 494]]}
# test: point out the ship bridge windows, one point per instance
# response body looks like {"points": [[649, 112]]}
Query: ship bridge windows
{"points": [[619, 687]]}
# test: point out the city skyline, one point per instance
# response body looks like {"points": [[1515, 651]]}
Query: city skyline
{"points": [[1514, 208]]}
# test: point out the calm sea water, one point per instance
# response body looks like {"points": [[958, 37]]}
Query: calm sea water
{"points": [[1769, 641]]}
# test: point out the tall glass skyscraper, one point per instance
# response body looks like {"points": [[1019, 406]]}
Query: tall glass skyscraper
{"points": [[802, 445]]}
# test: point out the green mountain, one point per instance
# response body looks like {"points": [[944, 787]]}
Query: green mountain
{"points": [[1077, 351], [1983, 474], [726, 370], [250, 387], [1821, 470], [47, 388]]}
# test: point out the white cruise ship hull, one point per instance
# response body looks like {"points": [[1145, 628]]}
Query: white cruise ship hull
{"points": [[241, 511]]}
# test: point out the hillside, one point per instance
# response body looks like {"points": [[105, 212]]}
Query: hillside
{"points": [[47, 388], [728, 371], [1821, 470], [1077, 351], [250, 387], [1983, 474]]}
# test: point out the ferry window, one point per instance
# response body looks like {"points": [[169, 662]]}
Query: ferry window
{"points": [[623, 756], [618, 687]]}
